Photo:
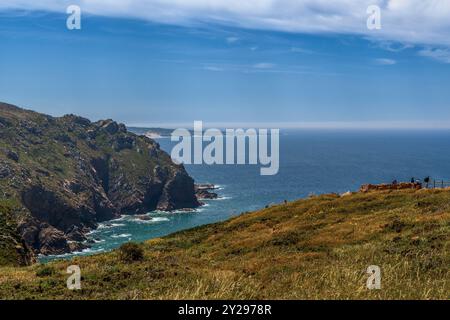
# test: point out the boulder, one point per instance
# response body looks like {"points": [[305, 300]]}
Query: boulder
{"points": [[52, 241], [12, 155]]}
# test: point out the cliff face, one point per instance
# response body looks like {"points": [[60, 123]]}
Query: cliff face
{"points": [[69, 173], [13, 250]]}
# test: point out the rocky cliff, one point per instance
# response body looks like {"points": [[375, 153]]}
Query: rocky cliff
{"points": [[68, 174]]}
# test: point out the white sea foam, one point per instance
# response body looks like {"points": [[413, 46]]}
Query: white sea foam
{"points": [[89, 250], [75, 253], [109, 225], [157, 219], [122, 235], [152, 220], [224, 198]]}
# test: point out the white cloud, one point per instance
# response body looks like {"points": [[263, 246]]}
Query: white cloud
{"points": [[264, 65], [301, 50], [407, 21], [385, 62], [232, 39], [393, 46], [442, 55], [213, 68]]}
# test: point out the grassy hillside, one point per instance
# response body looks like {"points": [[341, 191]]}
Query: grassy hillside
{"points": [[310, 249]]}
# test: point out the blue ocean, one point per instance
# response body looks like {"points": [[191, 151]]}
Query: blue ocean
{"points": [[311, 162]]}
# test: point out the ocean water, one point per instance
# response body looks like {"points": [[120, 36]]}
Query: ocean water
{"points": [[311, 162]]}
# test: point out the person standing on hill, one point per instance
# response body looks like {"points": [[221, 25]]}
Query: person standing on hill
{"points": [[427, 180]]}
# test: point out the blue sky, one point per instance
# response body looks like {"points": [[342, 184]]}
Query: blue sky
{"points": [[140, 70]]}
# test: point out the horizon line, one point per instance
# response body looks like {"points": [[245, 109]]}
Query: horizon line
{"points": [[341, 125]]}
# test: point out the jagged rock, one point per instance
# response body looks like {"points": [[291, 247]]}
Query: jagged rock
{"points": [[92, 133], [52, 241], [109, 126], [65, 138], [12, 155], [122, 128], [77, 120], [205, 194], [5, 171], [75, 186], [76, 234], [177, 192], [13, 249], [203, 191], [77, 175], [77, 246], [123, 142]]}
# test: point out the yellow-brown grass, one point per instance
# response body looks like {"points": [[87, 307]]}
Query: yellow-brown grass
{"points": [[316, 248]]}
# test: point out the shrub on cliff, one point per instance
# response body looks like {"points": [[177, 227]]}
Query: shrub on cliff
{"points": [[131, 252], [45, 271]]}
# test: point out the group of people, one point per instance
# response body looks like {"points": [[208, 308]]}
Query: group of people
{"points": [[426, 180]]}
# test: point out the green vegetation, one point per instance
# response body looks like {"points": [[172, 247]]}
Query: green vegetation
{"points": [[316, 248], [67, 174], [45, 271], [12, 250], [131, 252]]}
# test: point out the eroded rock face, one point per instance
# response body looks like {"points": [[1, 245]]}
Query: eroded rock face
{"points": [[204, 191], [177, 192], [390, 186], [69, 174], [52, 241]]}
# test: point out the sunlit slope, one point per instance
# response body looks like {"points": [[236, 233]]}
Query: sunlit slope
{"points": [[315, 248]]}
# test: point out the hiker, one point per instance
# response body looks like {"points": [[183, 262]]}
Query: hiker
{"points": [[427, 180], [413, 180], [395, 182]]}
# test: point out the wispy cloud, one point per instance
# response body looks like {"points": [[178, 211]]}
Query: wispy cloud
{"points": [[385, 62], [412, 21], [442, 55], [301, 50], [213, 68], [264, 65], [393, 46], [232, 39]]}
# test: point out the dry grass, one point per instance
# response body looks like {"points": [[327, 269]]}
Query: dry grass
{"points": [[317, 248]]}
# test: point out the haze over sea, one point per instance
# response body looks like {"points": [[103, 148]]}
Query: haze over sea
{"points": [[311, 162]]}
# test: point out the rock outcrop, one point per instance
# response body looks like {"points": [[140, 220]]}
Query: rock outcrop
{"points": [[203, 191], [390, 186], [68, 174]]}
